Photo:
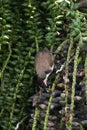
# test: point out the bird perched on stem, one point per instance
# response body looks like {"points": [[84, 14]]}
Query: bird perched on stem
{"points": [[44, 65], [82, 3]]}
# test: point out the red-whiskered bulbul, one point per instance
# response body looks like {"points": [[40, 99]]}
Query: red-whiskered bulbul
{"points": [[82, 3], [44, 65]]}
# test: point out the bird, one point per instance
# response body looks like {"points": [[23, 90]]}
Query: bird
{"points": [[82, 3], [44, 65]]}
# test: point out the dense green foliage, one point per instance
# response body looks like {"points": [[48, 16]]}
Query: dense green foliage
{"points": [[26, 26]]}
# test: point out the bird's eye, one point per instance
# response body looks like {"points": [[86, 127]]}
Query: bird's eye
{"points": [[47, 72], [42, 83]]}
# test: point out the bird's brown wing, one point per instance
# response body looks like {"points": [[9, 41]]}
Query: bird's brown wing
{"points": [[43, 61]]}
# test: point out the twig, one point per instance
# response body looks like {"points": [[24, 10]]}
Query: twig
{"points": [[19, 123], [62, 66]]}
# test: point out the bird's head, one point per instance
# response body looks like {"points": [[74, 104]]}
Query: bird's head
{"points": [[42, 79]]}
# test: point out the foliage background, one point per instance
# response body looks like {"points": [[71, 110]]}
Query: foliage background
{"points": [[25, 27]]}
